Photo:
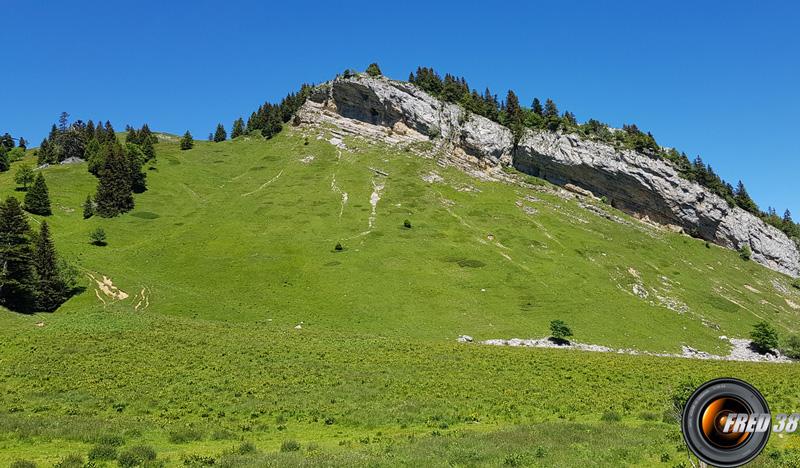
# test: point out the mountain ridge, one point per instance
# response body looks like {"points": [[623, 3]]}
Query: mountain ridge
{"points": [[397, 111]]}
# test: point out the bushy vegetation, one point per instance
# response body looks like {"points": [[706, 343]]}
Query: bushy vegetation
{"points": [[559, 331], [516, 117], [764, 336]]}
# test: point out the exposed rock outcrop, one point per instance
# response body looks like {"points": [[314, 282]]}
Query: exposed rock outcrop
{"points": [[399, 112]]}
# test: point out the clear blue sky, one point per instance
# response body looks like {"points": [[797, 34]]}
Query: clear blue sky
{"points": [[715, 78]]}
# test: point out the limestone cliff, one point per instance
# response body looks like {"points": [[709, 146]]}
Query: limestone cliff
{"points": [[638, 184]]}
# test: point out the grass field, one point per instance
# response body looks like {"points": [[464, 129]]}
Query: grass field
{"points": [[232, 247]]}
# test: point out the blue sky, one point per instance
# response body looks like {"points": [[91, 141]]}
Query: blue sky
{"points": [[719, 79]]}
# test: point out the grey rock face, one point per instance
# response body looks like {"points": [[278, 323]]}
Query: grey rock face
{"points": [[633, 182]]}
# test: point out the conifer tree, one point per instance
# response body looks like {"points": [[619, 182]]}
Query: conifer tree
{"points": [[94, 156], [51, 287], [743, 200], [88, 207], [238, 128], [374, 70], [22, 143], [187, 142], [17, 276], [24, 176], [136, 157], [550, 109], [37, 198], [5, 163], [114, 189], [148, 150], [537, 107], [220, 134]]}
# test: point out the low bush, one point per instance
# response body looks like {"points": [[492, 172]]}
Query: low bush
{"points": [[611, 416], [136, 456], [103, 452], [290, 446], [70, 461]]}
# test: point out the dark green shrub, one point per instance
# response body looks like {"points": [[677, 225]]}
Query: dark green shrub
{"points": [[764, 337], [103, 452], [23, 464], [338, 247], [559, 331], [745, 252], [796, 283], [184, 435], [136, 456], [70, 461], [407, 224], [374, 70], [246, 447], [98, 237], [198, 461], [611, 416], [290, 446], [792, 347]]}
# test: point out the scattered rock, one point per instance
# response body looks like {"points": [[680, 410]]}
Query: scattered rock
{"points": [[751, 289], [465, 339], [580, 191], [432, 177], [307, 160]]}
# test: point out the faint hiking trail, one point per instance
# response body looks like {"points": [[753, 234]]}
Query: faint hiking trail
{"points": [[335, 189], [264, 184], [373, 200], [143, 299]]}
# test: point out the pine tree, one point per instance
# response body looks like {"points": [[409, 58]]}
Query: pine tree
{"points": [[5, 163], [22, 143], [743, 200], [220, 134], [24, 176], [187, 142], [88, 207], [51, 290], [94, 156], [136, 158], [148, 150], [550, 109], [374, 70], [17, 276], [37, 198], [537, 107], [114, 189], [238, 128]]}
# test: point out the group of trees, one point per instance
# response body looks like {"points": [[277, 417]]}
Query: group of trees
{"points": [[37, 195], [10, 150], [117, 165], [268, 119], [547, 117], [32, 277]]}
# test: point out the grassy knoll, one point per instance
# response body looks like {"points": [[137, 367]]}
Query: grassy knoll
{"points": [[232, 247]]}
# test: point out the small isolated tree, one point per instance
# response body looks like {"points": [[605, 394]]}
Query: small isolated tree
{"points": [[407, 224], [745, 252], [559, 331], [22, 143], [37, 199], [24, 176], [88, 207], [220, 134], [115, 188], [338, 247], [98, 237], [187, 142], [764, 337], [238, 128], [374, 70]]}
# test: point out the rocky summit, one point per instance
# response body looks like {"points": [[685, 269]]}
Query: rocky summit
{"points": [[640, 184]]}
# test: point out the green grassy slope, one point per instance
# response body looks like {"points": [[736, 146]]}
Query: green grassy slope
{"points": [[232, 246]]}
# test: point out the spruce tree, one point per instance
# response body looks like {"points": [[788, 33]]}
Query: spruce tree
{"points": [[37, 198], [5, 163], [51, 288], [238, 128], [17, 276], [88, 207], [136, 159], [374, 70], [22, 143], [220, 134], [550, 109], [187, 142], [114, 189], [537, 107], [743, 200]]}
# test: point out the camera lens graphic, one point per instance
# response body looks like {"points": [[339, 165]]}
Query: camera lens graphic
{"points": [[705, 416]]}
